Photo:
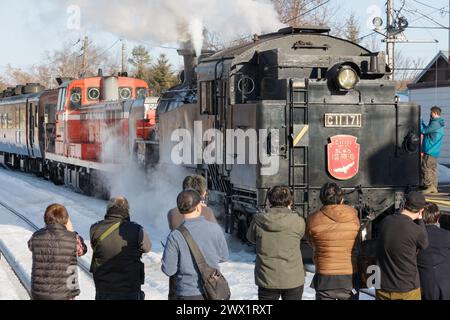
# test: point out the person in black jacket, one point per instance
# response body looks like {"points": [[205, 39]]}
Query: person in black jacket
{"points": [[434, 262], [118, 245], [402, 235], [57, 242]]}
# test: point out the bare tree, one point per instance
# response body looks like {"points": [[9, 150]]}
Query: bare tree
{"points": [[65, 62], [373, 43], [213, 41], [3, 84], [297, 13], [406, 69], [352, 28], [18, 76]]}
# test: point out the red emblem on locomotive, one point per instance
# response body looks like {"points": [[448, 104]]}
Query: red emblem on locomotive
{"points": [[343, 157]]}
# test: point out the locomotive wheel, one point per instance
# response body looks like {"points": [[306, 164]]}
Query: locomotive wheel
{"points": [[242, 224], [55, 177], [85, 184], [228, 214], [232, 218]]}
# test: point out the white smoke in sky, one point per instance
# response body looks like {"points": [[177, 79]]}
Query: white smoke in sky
{"points": [[196, 32], [170, 21]]}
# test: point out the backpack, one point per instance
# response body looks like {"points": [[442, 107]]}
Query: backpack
{"points": [[214, 283]]}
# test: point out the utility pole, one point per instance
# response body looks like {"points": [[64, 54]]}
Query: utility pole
{"points": [[85, 56], [390, 37], [124, 57]]}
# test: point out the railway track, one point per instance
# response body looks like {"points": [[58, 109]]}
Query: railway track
{"points": [[21, 275], [22, 217]]}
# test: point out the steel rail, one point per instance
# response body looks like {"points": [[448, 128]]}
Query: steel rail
{"points": [[21, 275], [82, 266]]}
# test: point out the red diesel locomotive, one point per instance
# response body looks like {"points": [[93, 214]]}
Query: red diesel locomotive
{"points": [[62, 134]]}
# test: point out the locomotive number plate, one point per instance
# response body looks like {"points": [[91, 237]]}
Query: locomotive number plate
{"points": [[340, 120]]}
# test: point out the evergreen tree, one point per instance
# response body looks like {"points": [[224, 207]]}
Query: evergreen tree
{"points": [[161, 76], [140, 60]]}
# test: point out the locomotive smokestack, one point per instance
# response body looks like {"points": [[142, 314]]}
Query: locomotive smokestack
{"points": [[190, 63]]}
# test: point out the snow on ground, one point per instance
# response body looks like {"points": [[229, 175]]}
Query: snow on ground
{"points": [[15, 235], [11, 288], [150, 199], [443, 174], [149, 204]]}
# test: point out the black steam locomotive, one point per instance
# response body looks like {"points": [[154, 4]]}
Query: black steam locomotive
{"points": [[322, 110]]}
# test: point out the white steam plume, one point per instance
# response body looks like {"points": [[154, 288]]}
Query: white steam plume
{"points": [[170, 21], [151, 195], [196, 32]]}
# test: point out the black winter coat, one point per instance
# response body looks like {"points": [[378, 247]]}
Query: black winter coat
{"points": [[434, 265], [116, 261], [54, 272]]}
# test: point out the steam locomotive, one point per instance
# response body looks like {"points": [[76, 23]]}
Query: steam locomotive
{"points": [[320, 107], [297, 107]]}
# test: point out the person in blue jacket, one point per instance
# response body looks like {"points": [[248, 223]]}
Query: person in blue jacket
{"points": [[433, 135]]}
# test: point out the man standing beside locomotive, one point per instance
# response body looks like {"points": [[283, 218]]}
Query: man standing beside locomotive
{"points": [[401, 237], [199, 184], [433, 135], [118, 245], [277, 234], [177, 257], [176, 219], [332, 233]]}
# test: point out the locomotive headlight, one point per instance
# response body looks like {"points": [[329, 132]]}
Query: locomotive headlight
{"points": [[347, 78]]}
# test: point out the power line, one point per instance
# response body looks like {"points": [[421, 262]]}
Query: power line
{"points": [[415, 20], [309, 11], [303, 7], [427, 5], [421, 69], [427, 17], [367, 35], [156, 46], [106, 50], [428, 27], [413, 10]]}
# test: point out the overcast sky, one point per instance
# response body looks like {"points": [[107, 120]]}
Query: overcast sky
{"points": [[30, 28]]}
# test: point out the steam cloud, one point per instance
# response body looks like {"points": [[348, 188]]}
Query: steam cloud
{"points": [[151, 194], [169, 21]]}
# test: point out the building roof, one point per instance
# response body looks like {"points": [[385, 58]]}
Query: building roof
{"points": [[441, 54]]}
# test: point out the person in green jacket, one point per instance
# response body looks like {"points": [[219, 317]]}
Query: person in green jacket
{"points": [[277, 233], [433, 135]]}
